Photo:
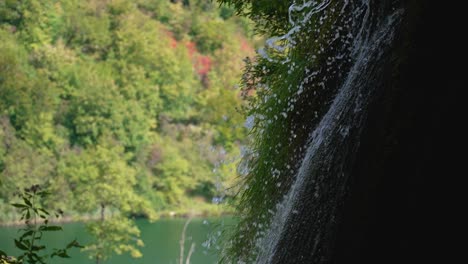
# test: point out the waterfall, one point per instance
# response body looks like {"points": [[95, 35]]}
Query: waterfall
{"points": [[321, 178]]}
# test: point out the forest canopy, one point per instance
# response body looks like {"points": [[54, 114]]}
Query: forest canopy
{"points": [[129, 104]]}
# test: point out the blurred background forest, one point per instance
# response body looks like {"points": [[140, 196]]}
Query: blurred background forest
{"points": [[128, 106]]}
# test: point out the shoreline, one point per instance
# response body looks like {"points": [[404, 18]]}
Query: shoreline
{"points": [[87, 218]]}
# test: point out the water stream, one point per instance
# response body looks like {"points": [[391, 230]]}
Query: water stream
{"points": [[319, 184]]}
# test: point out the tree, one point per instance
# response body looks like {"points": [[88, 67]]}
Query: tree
{"points": [[148, 83], [103, 181]]}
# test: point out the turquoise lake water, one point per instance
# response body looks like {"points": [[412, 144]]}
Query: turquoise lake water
{"points": [[161, 240]]}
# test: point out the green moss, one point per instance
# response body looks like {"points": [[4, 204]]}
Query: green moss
{"points": [[286, 108]]}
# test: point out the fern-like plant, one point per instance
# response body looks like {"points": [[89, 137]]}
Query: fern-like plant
{"points": [[36, 220]]}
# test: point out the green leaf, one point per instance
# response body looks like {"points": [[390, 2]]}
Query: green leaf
{"points": [[36, 258], [20, 245], [63, 254], [60, 253], [28, 233], [17, 205], [44, 211], [38, 235], [71, 244], [2, 253], [74, 243], [43, 193], [26, 200], [27, 243], [50, 228], [37, 248]]}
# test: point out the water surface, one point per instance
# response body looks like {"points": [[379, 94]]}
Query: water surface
{"points": [[161, 240]]}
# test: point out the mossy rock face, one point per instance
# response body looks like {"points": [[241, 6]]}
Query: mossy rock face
{"points": [[279, 141], [293, 90]]}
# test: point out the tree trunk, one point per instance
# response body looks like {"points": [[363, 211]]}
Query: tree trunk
{"points": [[103, 210]]}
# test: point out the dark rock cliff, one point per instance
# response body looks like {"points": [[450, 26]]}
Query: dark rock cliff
{"points": [[395, 175], [377, 192], [407, 158]]}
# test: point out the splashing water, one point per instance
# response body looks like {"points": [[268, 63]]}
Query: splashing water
{"points": [[341, 125], [271, 43]]}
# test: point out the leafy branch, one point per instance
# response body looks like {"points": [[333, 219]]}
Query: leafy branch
{"points": [[36, 219]]}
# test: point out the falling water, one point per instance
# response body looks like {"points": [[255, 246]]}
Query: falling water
{"points": [[296, 26], [332, 141]]}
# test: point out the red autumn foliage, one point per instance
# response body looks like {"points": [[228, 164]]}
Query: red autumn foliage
{"points": [[172, 41], [203, 64], [191, 47], [245, 46]]}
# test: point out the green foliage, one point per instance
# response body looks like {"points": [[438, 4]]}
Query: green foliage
{"points": [[84, 25], [270, 16], [103, 179], [27, 96], [116, 235], [36, 219], [124, 105], [208, 36], [283, 105]]}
